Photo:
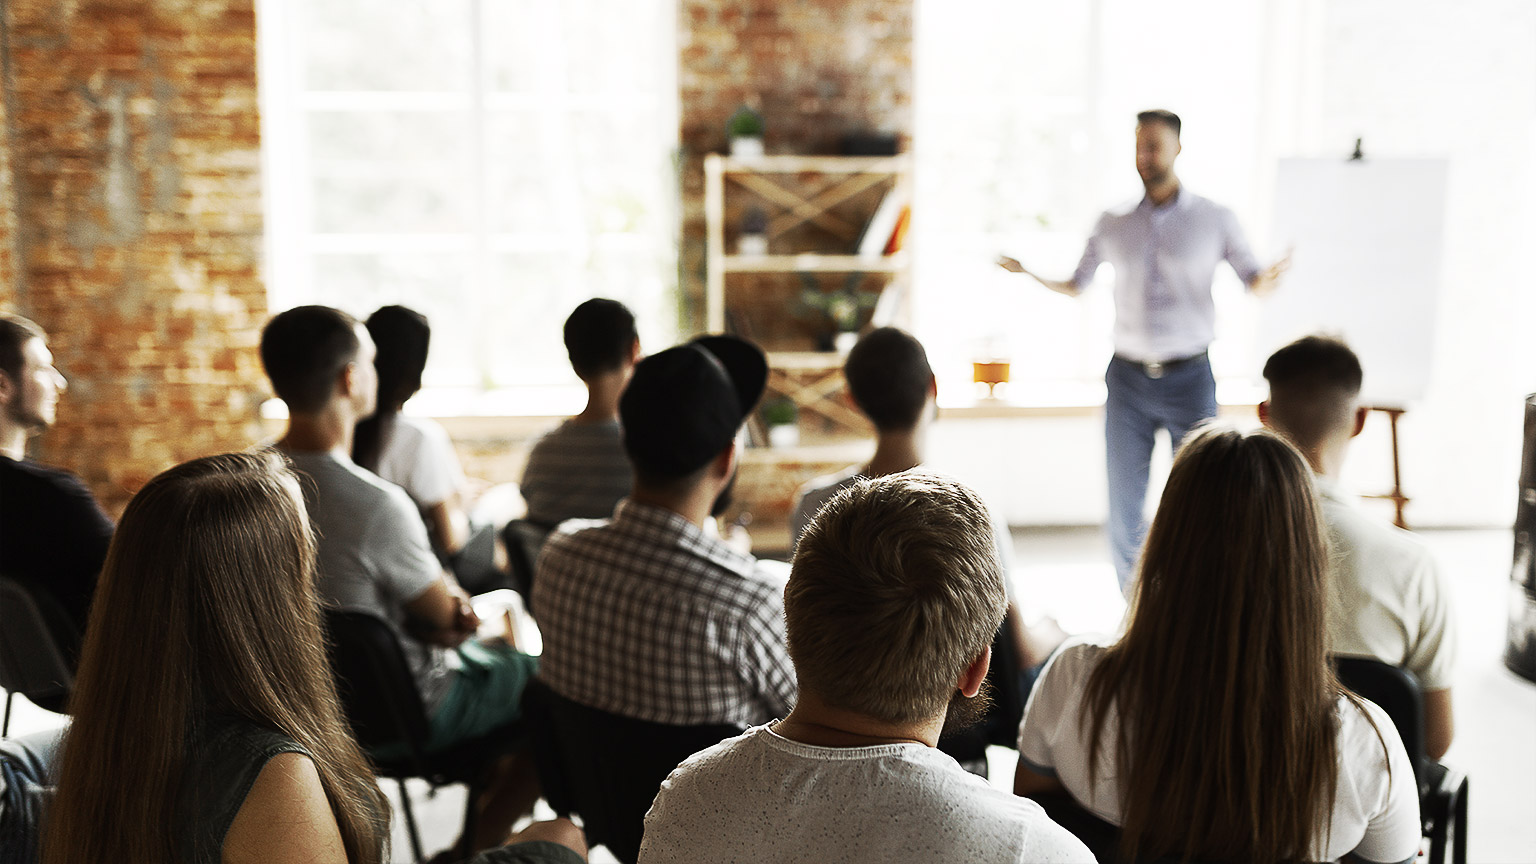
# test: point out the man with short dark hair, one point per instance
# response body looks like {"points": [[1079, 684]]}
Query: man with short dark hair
{"points": [[53, 534], [372, 550], [1165, 250], [579, 470], [892, 383], [890, 607], [649, 615], [1388, 597]]}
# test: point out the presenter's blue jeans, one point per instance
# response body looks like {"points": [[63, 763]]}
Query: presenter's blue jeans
{"points": [[1136, 407]]}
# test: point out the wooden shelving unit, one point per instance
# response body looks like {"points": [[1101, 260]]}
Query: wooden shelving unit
{"points": [[799, 203]]}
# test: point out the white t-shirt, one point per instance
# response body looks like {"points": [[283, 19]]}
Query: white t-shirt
{"points": [[761, 797], [1375, 819], [418, 456], [1389, 598]]}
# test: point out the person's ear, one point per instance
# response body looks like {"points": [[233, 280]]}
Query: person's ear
{"points": [[346, 380], [634, 352], [1264, 414], [725, 462], [7, 388], [1360, 414], [974, 674], [933, 387]]}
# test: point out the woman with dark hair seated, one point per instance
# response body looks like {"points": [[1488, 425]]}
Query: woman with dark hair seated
{"points": [[1214, 729], [206, 725]]}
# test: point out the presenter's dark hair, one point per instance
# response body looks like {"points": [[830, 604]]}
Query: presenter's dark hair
{"points": [[1163, 116], [599, 336], [402, 337], [303, 350], [15, 333], [889, 376]]}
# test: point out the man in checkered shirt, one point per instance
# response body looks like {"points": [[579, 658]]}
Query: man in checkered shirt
{"points": [[649, 614]]}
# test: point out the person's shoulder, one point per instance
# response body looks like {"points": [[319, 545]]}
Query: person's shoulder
{"points": [[340, 479], [1388, 547], [705, 770], [38, 475]]}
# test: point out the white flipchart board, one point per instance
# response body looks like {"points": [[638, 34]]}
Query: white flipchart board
{"points": [[1367, 237]]}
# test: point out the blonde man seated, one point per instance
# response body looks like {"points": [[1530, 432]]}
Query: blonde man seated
{"points": [[891, 606]]}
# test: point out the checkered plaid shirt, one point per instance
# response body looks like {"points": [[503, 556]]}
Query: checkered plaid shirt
{"points": [[646, 616]]}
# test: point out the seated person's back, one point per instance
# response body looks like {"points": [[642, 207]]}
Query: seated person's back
{"points": [[1214, 728], [891, 606], [53, 534], [579, 470], [1389, 599], [650, 615]]}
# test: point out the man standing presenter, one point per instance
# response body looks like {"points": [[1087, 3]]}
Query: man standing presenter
{"points": [[1164, 250]]}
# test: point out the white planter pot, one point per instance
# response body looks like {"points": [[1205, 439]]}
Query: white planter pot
{"points": [[747, 148], [784, 436], [845, 341]]}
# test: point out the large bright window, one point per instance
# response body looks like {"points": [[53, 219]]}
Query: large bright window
{"points": [[1025, 116], [490, 163]]}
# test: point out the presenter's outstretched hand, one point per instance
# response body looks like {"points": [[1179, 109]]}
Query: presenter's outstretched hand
{"points": [[1012, 265], [1263, 284]]}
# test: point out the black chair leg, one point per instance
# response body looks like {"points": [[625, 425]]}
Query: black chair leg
{"points": [[410, 823], [1459, 844], [5, 730]]}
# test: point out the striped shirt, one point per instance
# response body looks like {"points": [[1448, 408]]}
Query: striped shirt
{"points": [[649, 617], [576, 471]]}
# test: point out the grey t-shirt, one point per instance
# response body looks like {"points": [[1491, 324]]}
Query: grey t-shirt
{"points": [[374, 556]]}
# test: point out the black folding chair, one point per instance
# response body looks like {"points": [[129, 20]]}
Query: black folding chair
{"points": [[34, 662], [384, 708], [523, 539], [1442, 789], [605, 767]]}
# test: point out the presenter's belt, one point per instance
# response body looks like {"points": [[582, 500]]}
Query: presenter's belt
{"points": [[1158, 369]]}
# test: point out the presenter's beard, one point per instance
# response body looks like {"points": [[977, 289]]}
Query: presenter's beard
{"points": [[964, 713]]}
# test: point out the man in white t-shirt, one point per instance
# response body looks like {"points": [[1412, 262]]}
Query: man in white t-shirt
{"points": [[891, 605], [1389, 599]]}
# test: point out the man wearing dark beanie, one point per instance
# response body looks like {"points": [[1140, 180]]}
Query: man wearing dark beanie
{"points": [[650, 615]]}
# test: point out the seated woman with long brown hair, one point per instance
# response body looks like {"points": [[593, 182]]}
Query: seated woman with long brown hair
{"points": [[206, 725], [1214, 729]]}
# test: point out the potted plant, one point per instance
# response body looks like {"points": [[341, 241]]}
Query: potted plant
{"points": [[745, 132], [754, 233], [844, 310], [781, 416]]}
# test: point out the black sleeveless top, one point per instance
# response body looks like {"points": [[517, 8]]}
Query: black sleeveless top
{"points": [[224, 756]]}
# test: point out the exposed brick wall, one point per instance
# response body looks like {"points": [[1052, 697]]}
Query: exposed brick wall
{"points": [[9, 295], [817, 70], [135, 152]]}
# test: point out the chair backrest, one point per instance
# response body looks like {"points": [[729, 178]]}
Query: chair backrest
{"points": [[32, 655], [374, 680], [606, 767], [1396, 691], [523, 540]]}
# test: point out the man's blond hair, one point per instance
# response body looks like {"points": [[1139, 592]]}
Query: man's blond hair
{"points": [[896, 588]]}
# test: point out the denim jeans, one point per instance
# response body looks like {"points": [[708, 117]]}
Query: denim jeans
{"points": [[1136, 407]]}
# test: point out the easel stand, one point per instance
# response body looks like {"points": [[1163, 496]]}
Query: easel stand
{"points": [[1396, 496]]}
